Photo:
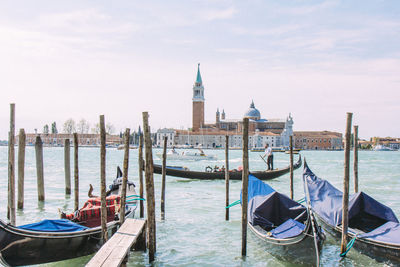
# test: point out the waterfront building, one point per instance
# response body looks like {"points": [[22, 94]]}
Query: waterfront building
{"points": [[318, 140], [59, 139], [275, 132]]}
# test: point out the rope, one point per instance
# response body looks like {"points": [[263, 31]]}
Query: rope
{"points": [[349, 246], [130, 200], [301, 200], [233, 204], [132, 196]]}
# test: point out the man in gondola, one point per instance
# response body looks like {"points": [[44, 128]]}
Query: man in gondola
{"points": [[270, 157]]}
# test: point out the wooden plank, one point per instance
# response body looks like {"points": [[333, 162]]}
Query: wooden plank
{"points": [[114, 251]]}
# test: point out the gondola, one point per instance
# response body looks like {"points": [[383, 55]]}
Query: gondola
{"points": [[287, 229], [374, 226], [213, 175], [53, 240]]}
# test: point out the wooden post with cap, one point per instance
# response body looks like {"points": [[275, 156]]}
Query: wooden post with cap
{"points": [[11, 167], [76, 172], [245, 182], [355, 159], [103, 179], [39, 167], [67, 166], [151, 218], [226, 177], [125, 176], [163, 173], [141, 167], [345, 200], [21, 167], [291, 166]]}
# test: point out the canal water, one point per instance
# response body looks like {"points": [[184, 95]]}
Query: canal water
{"points": [[195, 232]]}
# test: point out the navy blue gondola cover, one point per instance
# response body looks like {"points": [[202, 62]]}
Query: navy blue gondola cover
{"points": [[268, 208], [326, 201], [61, 225]]}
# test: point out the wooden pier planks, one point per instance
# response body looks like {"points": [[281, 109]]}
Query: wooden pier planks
{"points": [[114, 251]]}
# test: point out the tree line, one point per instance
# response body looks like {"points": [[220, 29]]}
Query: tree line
{"points": [[81, 127]]}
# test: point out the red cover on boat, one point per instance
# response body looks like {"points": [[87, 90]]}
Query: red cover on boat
{"points": [[89, 214]]}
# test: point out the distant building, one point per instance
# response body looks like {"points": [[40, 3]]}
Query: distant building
{"points": [[318, 140], [59, 139], [275, 132]]}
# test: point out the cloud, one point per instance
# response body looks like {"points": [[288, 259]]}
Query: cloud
{"points": [[219, 14], [307, 9]]}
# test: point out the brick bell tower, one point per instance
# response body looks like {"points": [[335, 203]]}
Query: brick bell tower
{"points": [[198, 102]]}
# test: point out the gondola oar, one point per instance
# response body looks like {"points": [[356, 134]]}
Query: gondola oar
{"points": [[263, 159]]}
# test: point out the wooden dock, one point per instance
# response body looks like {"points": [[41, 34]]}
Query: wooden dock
{"points": [[115, 250]]}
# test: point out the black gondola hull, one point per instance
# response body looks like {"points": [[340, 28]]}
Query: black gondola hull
{"points": [[299, 249], [21, 247], [233, 175], [376, 250]]}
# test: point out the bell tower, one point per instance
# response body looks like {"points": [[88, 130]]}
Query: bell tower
{"points": [[198, 102]]}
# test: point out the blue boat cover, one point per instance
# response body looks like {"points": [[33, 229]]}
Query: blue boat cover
{"points": [[288, 229], [326, 201], [387, 233], [269, 209], [62, 225]]}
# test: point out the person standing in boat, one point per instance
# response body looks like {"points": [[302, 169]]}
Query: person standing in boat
{"points": [[270, 157]]}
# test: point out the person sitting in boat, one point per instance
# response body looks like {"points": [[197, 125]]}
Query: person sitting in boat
{"points": [[223, 168], [216, 168], [173, 151]]}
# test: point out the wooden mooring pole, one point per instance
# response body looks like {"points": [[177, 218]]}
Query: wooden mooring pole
{"points": [[141, 167], [103, 179], [67, 166], [39, 167], [226, 177], [125, 175], [355, 159], [11, 167], [21, 167], [291, 166], [163, 173], [345, 203], [151, 218], [245, 182], [76, 172]]}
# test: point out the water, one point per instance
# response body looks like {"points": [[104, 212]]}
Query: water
{"points": [[195, 232]]}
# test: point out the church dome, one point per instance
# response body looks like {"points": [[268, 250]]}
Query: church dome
{"points": [[252, 112]]}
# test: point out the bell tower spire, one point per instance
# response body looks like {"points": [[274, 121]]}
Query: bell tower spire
{"points": [[198, 102]]}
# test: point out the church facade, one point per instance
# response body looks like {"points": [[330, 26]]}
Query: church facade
{"points": [[275, 132]]}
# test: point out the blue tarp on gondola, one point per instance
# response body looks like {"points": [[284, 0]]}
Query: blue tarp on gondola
{"points": [[374, 218], [61, 225], [288, 229], [269, 209]]}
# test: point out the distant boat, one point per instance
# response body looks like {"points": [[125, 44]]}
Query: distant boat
{"points": [[382, 148], [174, 155], [122, 147]]}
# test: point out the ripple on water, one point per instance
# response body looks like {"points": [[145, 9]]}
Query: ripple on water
{"points": [[195, 232]]}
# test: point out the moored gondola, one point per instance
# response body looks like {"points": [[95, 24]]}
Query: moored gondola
{"points": [[214, 175], [287, 229], [55, 240], [373, 226]]}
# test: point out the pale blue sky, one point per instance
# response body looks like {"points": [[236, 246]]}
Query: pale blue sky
{"points": [[315, 59]]}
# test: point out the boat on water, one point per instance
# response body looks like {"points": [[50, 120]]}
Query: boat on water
{"points": [[382, 148], [55, 240], [210, 174], [122, 147], [287, 229], [373, 226], [185, 155]]}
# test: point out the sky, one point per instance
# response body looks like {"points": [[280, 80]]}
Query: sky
{"points": [[314, 59]]}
